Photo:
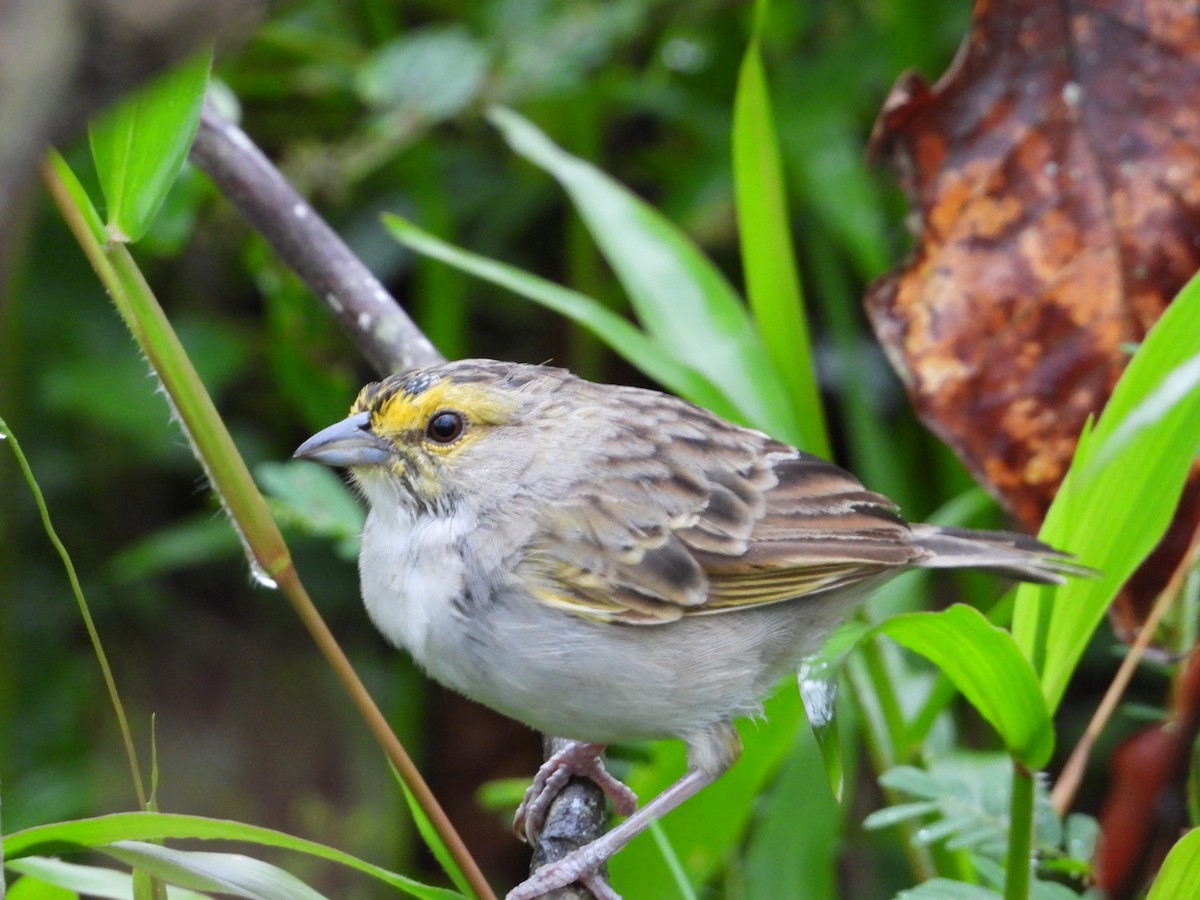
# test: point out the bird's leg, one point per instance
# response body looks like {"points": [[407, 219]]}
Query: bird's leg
{"points": [[576, 758], [579, 863]]}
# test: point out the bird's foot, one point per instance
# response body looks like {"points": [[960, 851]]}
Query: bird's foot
{"points": [[579, 867], [576, 758]]}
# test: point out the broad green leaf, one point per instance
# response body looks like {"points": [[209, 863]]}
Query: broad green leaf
{"points": [[945, 889], [92, 881], [1049, 890], [34, 889], [101, 831], [1180, 872], [621, 335], [227, 873], [140, 146], [985, 665], [681, 298], [768, 257], [429, 73], [1120, 493]]}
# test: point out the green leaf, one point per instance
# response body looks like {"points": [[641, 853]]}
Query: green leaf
{"points": [[768, 258], [985, 664], [314, 498], [901, 812], [621, 335], [1121, 491], [945, 889], [140, 146], [227, 873], [194, 541], [429, 74], [1180, 872], [432, 839], [92, 881], [79, 196], [100, 832], [681, 298], [29, 888]]}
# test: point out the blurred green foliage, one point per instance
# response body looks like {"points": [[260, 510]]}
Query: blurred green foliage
{"points": [[371, 106]]}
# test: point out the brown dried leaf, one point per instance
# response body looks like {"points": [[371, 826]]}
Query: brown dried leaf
{"points": [[1055, 170]]}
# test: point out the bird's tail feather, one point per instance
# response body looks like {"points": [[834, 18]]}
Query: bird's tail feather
{"points": [[1004, 552]]}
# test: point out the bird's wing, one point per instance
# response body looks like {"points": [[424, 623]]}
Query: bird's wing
{"points": [[696, 516]]}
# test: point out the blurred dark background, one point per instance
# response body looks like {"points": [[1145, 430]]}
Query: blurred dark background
{"points": [[371, 106]]}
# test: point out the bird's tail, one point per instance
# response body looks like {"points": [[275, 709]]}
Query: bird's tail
{"points": [[1003, 552]]}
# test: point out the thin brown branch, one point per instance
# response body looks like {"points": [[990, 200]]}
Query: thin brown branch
{"points": [[303, 240], [1071, 776]]}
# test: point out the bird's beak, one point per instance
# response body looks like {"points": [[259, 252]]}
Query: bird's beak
{"points": [[348, 443]]}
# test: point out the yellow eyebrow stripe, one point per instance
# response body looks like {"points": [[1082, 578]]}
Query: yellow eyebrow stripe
{"points": [[482, 406]]}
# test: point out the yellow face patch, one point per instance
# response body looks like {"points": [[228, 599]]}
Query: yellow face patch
{"points": [[404, 417]]}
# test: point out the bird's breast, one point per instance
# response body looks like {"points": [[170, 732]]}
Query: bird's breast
{"points": [[413, 574]]}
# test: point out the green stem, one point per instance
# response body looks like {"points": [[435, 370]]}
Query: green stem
{"points": [[93, 635], [226, 470], [1020, 835], [869, 684], [889, 704]]}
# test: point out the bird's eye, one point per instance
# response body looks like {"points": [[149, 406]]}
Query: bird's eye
{"points": [[444, 427]]}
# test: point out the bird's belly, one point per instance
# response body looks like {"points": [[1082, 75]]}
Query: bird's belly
{"points": [[600, 682]]}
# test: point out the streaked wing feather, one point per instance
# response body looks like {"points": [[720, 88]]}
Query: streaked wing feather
{"points": [[692, 515]]}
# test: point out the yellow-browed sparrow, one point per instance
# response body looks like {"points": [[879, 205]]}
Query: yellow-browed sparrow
{"points": [[608, 563]]}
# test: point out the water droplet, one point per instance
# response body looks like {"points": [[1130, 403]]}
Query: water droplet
{"points": [[260, 576], [818, 691]]}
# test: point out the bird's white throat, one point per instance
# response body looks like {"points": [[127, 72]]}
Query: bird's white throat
{"points": [[412, 570]]}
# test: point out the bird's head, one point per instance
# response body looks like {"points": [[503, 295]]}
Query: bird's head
{"points": [[436, 432]]}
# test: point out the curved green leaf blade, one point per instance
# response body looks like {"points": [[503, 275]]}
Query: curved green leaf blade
{"points": [[772, 279], [140, 145], [227, 873], [985, 664], [621, 335], [681, 298], [432, 839], [945, 889], [1180, 872], [1120, 493], [92, 881], [80, 834]]}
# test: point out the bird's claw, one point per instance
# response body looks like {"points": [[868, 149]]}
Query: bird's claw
{"points": [[576, 758]]}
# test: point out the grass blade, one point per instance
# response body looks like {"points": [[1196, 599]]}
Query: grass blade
{"points": [[621, 335], [681, 298], [1120, 493], [768, 258], [100, 832]]}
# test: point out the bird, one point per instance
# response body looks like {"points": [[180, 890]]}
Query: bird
{"points": [[608, 563]]}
